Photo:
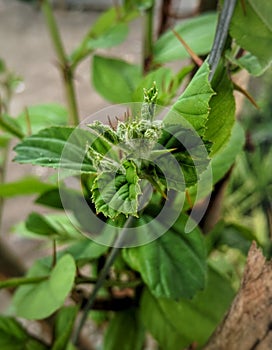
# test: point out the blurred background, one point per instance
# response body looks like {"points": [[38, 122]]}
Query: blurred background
{"points": [[26, 49]]}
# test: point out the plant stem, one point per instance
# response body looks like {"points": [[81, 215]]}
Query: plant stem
{"points": [[221, 35], [15, 282], [164, 16], [148, 39], [113, 283], [66, 70], [100, 281], [118, 244], [3, 169]]}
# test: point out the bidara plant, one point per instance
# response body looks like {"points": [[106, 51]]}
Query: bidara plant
{"points": [[141, 180]]}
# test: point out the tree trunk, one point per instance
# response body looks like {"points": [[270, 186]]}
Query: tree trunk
{"points": [[248, 324]]}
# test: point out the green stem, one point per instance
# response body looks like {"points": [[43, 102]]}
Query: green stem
{"points": [[67, 72], [100, 281], [15, 282], [3, 171], [221, 35], [118, 244], [148, 39], [4, 123], [18, 281], [109, 283]]}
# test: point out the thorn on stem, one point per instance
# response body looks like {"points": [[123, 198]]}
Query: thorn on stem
{"points": [[246, 94], [198, 61]]}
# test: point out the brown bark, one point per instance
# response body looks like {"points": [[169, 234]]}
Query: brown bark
{"points": [[248, 324]]}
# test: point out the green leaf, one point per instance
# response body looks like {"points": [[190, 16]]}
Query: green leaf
{"points": [[75, 202], [85, 250], [249, 62], [50, 198], [41, 116], [40, 300], [11, 126], [38, 224], [176, 325], [238, 236], [112, 36], [125, 76], [263, 10], [193, 104], [231, 234], [173, 266], [63, 327], [222, 115], [110, 18], [46, 149], [221, 162], [189, 152], [14, 337], [125, 331], [55, 226], [26, 186], [115, 193], [252, 29], [105, 22], [224, 159], [197, 32], [110, 29]]}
